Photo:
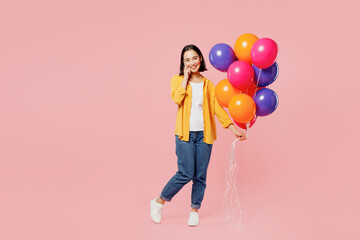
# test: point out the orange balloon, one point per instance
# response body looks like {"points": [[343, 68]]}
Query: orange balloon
{"points": [[243, 46], [224, 91], [242, 108]]}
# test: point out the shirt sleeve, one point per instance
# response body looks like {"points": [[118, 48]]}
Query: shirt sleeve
{"points": [[178, 93], [222, 115]]}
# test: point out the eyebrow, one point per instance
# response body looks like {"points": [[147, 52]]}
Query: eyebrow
{"points": [[193, 57]]}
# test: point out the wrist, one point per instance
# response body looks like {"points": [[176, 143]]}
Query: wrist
{"points": [[232, 127]]}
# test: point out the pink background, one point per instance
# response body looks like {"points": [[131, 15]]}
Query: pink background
{"points": [[87, 122]]}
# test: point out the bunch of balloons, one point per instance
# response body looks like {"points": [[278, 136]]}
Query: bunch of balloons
{"points": [[251, 66]]}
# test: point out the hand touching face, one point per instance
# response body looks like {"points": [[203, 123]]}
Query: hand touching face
{"points": [[187, 71], [192, 61]]}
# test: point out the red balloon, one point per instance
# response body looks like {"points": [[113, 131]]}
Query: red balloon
{"points": [[243, 125], [264, 53], [252, 89]]}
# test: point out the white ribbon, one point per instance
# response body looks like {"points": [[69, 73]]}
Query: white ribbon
{"points": [[234, 213]]}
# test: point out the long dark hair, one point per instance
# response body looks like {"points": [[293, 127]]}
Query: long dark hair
{"points": [[196, 49]]}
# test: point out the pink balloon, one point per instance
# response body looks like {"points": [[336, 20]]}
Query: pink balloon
{"points": [[243, 125], [240, 74], [264, 53]]}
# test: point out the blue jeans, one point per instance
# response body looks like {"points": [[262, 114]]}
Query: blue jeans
{"points": [[193, 161]]}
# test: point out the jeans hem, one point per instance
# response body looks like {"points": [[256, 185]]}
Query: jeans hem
{"points": [[195, 206], [164, 198]]}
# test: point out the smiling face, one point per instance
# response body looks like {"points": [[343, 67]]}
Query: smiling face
{"points": [[192, 60]]}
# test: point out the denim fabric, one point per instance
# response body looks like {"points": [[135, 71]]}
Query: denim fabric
{"points": [[193, 160]]}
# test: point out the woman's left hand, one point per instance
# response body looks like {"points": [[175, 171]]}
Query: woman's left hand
{"points": [[241, 136]]}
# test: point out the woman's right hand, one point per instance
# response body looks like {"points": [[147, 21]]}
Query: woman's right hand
{"points": [[186, 77], [187, 72]]}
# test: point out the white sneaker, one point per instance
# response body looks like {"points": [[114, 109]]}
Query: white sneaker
{"points": [[155, 210], [193, 219]]}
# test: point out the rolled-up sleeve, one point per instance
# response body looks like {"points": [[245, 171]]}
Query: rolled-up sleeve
{"points": [[222, 115], [177, 91]]}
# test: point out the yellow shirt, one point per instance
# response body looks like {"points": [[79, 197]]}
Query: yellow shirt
{"points": [[211, 107]]}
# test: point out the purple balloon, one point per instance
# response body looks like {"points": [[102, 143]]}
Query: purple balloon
{"points": [[267, 75], [266, 101], [221, 56]]}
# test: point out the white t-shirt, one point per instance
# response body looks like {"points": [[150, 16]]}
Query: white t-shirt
{"points": [[196, 114]]}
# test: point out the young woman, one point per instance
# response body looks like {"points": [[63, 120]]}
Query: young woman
{"points": [[195, 131]]}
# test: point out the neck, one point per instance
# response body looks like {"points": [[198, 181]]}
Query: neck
{"points": [[195, 75]]}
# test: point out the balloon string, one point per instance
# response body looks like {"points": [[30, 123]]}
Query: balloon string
{"points": [[234, 213], [247, 129], [257, 82], [256, 87]]}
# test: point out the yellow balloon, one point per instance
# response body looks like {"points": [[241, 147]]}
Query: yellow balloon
{"points": [[243, 46]]}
